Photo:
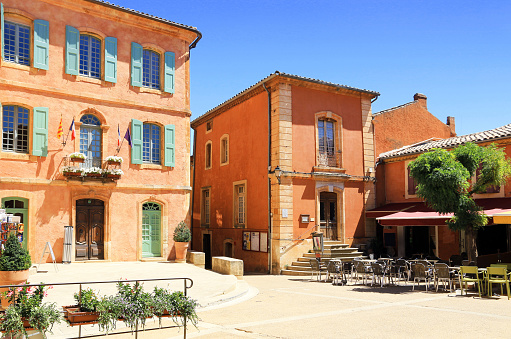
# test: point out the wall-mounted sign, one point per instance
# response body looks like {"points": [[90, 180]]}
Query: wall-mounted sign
{"points": [[246, 241], [264, 242], [284, 213], [304, 218], [255, 241]]}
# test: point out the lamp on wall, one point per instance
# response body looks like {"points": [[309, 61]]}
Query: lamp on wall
{"points": [[278, 173]]}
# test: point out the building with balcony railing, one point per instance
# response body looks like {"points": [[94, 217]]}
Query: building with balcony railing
{"points": [[92, 78], [279, 160]]}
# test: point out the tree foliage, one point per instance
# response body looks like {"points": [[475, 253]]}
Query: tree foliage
{"points": [[445, 180]]}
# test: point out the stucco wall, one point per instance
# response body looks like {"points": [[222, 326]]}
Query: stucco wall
{"points": [[51, 197]]}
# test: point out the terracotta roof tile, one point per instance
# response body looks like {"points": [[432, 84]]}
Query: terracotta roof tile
{"points": [[485, 136]]}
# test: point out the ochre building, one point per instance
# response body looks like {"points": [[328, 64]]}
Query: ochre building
{"points": [[286, 157], [109, 69]]}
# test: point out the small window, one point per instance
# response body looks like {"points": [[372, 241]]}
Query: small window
{"points": [[17, 43], [90, 56], [205, 207], [151, 72], [208, 155], [224, 150], [209, 126], [326, 143], [412, 184], [15, 129], [239, 205], [151, 146]]}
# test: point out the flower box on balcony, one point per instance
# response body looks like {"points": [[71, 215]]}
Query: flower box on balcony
{"points": [[77, 157], [114, 160]]}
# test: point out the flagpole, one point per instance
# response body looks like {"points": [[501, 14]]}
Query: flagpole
{"points": [[119, 148]]}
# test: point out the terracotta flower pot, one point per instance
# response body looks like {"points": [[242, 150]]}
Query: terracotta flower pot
{"points": [[75, 317], [181, 249], [12, 278]]}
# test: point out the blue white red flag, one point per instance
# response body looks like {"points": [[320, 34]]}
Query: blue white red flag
{"points": [[72, 129]]}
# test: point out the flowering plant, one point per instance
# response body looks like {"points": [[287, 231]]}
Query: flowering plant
{"points": [[77, 155], [27, 302], [174, 304], [113, 158], [90, 170], [114, 171], [87, 300], [135, 304], [72, 169]]}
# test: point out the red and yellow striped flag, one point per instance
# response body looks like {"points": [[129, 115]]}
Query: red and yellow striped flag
{"points": [[60, 131]]}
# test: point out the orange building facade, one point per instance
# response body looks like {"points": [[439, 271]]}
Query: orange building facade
{"points": [[411, 229], [286, 157], [106, 68]]}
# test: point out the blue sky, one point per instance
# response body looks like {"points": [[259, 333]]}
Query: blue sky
{"points": [[455, 52]]}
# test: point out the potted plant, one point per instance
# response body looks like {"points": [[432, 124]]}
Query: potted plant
{"points": [[77, 157], [114, 160], [92, 172], [175, 305], [27, 311], [14, 264], [182, 237], [135, 304], [113, 173], [71, 171], [85, 310]]}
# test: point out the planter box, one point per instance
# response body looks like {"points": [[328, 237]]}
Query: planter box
{"points": [[112, 162], [73, 315], [77, 160], [93, 175], [72, 174], [113, 176]]}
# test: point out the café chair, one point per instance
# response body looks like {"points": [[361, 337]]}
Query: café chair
{"points": [[469, 274], [496, 275]]}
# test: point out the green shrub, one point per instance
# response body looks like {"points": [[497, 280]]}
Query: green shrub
{"points": [[14, 257], [182, 233]]}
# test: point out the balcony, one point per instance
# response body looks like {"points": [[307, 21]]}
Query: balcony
{"points": [[328, 163], [96, 169]]}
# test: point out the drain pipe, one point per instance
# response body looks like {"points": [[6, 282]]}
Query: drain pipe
{"points": [[270, 219], [193, 181]]}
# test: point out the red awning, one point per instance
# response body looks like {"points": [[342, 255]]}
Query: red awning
{"points": [[421, 215]]}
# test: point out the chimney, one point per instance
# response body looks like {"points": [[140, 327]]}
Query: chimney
{"points": [[422, 99], [452, 125]]}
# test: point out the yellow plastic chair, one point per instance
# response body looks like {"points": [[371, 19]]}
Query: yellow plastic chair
{"points": [[497, 275], [469, 274]]}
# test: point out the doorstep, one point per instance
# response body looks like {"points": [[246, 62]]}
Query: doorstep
{"points": [[152, 259]]}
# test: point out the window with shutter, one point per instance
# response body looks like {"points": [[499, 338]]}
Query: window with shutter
{"points": [[240, 204], [15, 125]]}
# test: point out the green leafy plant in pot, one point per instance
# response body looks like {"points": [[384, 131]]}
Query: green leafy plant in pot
{"points": [[14, 264], [182, 236]]}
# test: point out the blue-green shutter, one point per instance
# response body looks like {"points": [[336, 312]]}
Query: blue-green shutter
{"points": [[41, 44], [170, 69], [170, 145], [40, 132], [111, 59], [137, 129], [72, 50], [2, 24], [137, 53]]}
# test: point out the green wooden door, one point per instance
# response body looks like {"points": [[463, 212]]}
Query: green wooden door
{"points": [[18, 207], [151, 230]]}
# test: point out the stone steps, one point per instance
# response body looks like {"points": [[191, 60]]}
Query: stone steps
{"points": [[332, 249]]}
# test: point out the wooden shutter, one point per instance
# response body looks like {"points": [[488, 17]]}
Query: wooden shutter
{"points": [[41, 44], [72, 50], [170, 65], [137, 53], [3, 25], [111, 59], [137, 129], [170, 142], [40, 132]]}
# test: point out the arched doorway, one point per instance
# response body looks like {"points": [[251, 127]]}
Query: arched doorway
{"points": [[90, 231], [328, 214], [151, 230], [18, 207]]}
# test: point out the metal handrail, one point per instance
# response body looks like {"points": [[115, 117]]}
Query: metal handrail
{"points": [[291, 241], [185, 290]]}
